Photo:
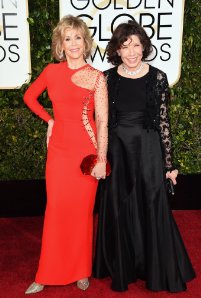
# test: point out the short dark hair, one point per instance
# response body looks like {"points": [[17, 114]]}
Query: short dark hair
{"points": [[121, 34]]}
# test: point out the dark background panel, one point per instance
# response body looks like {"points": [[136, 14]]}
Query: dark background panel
{"points": [[28, 197]]}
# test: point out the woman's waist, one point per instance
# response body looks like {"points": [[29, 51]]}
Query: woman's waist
{"points": [[124, 117], [62, 121], [70, 128], [72, 115]]}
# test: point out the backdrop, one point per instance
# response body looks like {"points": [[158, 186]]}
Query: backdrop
{"points": [[22, 135]]}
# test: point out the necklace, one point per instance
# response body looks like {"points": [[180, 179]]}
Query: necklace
{"points": [[132, 73]]}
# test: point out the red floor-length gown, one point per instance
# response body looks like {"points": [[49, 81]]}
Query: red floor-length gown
{"points": [[66, 254]]}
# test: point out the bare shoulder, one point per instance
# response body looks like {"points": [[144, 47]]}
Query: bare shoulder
{"points": [[95, 72]]}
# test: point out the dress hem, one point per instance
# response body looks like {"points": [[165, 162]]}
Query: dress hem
{"points": [[147, 287], [64, 283]]}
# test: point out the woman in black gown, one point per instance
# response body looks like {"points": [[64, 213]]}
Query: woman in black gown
{"points": [[137, 236]]}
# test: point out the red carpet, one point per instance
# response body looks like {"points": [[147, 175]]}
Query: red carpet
{"points": [[19, 252]]}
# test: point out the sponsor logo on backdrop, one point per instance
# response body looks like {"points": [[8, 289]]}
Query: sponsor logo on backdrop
{"points": [[15, 65], [162, 20]]}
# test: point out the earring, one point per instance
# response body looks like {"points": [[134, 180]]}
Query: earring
{"points": [[61, 55]]}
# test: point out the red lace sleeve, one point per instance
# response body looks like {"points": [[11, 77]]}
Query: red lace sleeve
{"points": [[101, 112]]}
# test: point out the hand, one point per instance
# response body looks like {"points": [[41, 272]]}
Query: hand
{"points": [[172, 175], [49, 130], [99, 171]]}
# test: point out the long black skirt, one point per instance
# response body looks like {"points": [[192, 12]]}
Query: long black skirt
{"points": [[137, 236]]}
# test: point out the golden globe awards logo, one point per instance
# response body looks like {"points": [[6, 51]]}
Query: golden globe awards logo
{"points": [[162, 20], [14, 44]]}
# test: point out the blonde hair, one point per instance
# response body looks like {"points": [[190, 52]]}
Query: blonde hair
{"points": [[69, 22]]}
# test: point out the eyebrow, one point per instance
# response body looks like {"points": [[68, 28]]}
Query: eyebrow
{"points": [[125, 45], [79, 34]]}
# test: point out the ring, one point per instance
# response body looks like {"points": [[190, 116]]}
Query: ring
{"points": [[98, 178]]}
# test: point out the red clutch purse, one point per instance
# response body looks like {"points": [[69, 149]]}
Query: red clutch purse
{"points": [[89, 162]]}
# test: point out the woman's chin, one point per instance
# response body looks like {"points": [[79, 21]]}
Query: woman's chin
{"points": [[132, 66]]}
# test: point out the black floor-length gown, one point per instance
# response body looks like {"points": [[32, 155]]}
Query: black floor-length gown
{"points": [[137, 236]]}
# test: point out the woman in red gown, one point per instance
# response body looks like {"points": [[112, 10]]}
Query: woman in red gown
{"points": [[77, 92]]}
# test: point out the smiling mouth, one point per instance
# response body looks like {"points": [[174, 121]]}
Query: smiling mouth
{"points": [[132, 61], [74, 50]]}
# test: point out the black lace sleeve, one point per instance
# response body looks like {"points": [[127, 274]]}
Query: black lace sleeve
{"points": [[164, 120]]}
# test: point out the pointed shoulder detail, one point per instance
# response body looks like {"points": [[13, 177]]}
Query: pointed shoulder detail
{"points": [[87, 77]]}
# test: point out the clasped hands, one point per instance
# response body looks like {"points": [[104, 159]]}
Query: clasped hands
{"points": [[99, 171]]}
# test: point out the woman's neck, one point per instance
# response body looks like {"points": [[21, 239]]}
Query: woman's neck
{"points": [[139, 74], [74, 64]]}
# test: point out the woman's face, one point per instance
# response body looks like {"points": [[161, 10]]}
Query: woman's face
{"points": [[131, 52], [73, 44]]}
